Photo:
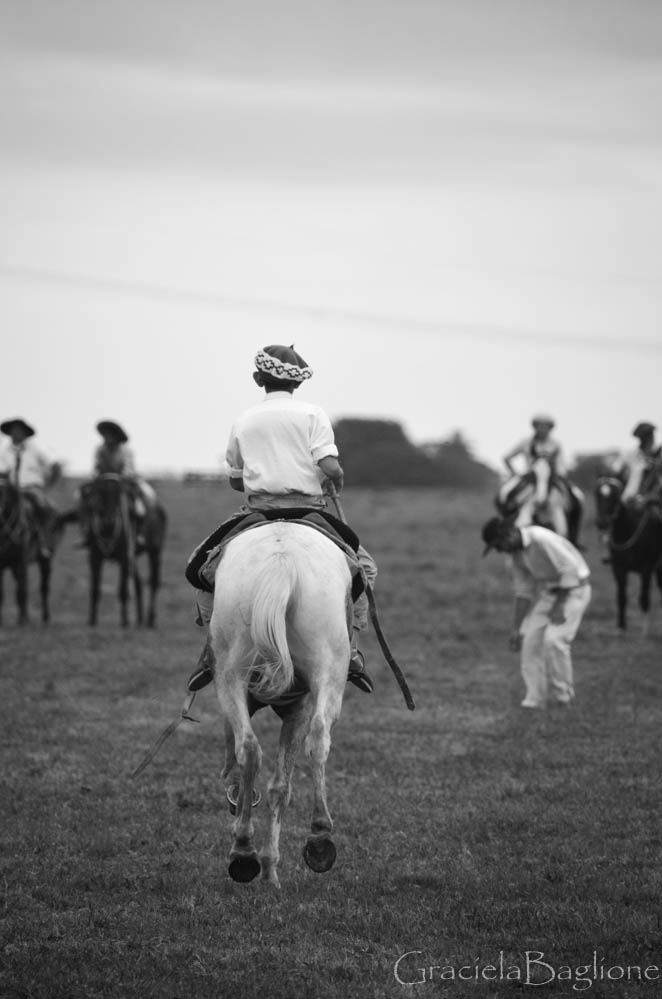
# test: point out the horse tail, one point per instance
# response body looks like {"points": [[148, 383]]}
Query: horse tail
{"points": [[277, 587]]}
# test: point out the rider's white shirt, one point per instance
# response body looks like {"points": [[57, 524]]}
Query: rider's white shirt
{"points": [[35, 466], [275, 446]]}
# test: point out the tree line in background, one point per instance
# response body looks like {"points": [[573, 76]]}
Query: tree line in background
{"points": [[377, 453]]}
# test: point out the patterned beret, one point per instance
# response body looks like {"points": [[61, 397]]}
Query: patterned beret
{"points": [[282, 363]]}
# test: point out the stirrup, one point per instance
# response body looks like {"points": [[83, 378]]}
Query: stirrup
{"points": [[200, 678], [357, 673]]}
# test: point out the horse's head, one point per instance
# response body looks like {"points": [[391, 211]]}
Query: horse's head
{"points": [[607, 493], [103, 501]]}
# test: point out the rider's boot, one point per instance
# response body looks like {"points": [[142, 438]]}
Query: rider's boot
{"points": [[358, 674], [203, 673]]}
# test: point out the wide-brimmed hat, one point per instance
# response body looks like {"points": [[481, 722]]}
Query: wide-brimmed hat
{"points": [[282, 363], [8, 426], [110, 427], [644, 429], [492, 531], [543, 420]]}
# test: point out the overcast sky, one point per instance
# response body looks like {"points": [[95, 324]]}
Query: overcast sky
{"points": [[453, 209]]}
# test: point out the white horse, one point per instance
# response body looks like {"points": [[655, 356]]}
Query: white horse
{"points": [[539, 498], [282, 615]]}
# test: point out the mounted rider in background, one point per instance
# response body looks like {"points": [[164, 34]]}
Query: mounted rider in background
{"points": [[544, 462], [114, 457], [640, 469], [26, 466]]}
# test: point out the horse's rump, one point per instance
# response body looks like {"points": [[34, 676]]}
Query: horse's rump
{"points": [[276, 590]]}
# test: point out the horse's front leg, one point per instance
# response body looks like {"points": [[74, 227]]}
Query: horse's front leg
{"points": [[96, 563], [123, 592], [319, 851], [295, 725]]}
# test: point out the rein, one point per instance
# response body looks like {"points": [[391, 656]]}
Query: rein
{"points": [[632, 540], [388, 655], [121, 523]]}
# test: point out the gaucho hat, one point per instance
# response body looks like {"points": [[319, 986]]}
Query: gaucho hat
{"points": [[282, 363], [644, 429], [543, 420], [8, 426], [110, 427]]}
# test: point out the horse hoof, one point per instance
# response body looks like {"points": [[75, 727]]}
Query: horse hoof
{"points": [[244, 867], [320, 853]]}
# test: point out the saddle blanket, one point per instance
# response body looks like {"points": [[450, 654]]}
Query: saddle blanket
{"points": [[204, 561]]}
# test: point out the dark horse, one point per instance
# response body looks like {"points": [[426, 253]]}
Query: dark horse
{"points": [[108, 513], [635, 542], [20, 544]]}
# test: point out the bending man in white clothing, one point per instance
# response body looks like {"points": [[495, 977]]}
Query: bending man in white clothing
{"points": [[552, 591]]}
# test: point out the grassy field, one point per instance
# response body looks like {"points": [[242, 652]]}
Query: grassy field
{"points": [[466, 831]]}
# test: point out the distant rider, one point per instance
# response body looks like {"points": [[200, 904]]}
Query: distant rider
{"points": [[541, 445], [28, 467]]}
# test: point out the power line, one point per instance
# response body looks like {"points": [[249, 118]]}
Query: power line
{"points": [[119, 286]]}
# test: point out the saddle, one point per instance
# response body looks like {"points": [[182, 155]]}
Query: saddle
{"points": [[203, 563]]}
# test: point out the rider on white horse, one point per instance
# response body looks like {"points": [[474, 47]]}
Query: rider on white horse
{"points": [[281, 453], [542, 455]]}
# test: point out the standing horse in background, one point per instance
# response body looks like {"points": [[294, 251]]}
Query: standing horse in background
{"points": [[634, 535], [21, 544], [280, 634], [540, 497], [108, 514]]}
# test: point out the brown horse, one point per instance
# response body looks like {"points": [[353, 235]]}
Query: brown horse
{"points": [[20, 545], [635, 543], [107, 510]]}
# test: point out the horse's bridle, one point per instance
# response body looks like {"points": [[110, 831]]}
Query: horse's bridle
{"points": [[106, 543]]}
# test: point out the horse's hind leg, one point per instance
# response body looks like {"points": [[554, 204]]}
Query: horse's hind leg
{"points": [[244, 862], [645, 602], [295, 724], [621, 599], [319, 851], [138, 590], [154, 585]]}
